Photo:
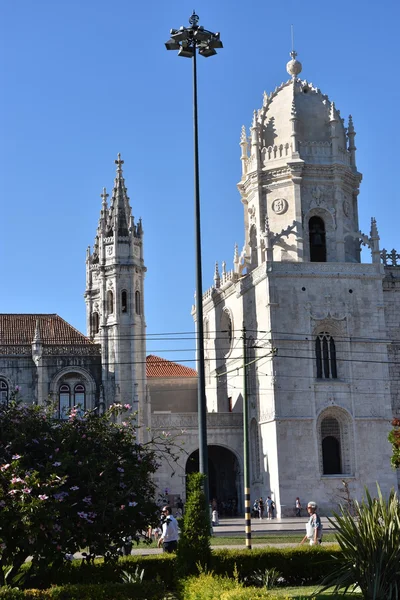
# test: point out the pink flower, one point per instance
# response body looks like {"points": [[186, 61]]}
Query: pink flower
{"points": [[12, 492], [16, 457], [17, 480], [4, 467], [127, 406], [122, 506], [26, 490], [42, 497]]}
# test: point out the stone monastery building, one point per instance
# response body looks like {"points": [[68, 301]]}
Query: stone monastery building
{"points": [[322, 328]]}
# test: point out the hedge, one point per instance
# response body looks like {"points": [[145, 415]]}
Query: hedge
{"points": [[111, 591], [298, 566]]}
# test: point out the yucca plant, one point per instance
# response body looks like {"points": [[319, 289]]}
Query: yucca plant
{"points": [[370, 544]]}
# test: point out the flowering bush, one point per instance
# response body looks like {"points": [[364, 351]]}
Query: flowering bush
{"points": [[70, 484], [394, 439]]}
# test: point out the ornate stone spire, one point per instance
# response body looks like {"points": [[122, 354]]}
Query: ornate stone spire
{"points": [[217, 278], [351, 134], [374, 240], [120, 210], [243, 146], [333, 120]]}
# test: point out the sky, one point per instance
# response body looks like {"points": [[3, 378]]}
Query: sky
{"points": [[81, 80]]}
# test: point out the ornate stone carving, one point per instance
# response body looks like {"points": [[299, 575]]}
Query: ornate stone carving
{"points": [[279, 206], [346, 207]]}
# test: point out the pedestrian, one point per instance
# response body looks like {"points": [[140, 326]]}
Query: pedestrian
{"points": [[215, 518], [313, 526], [272, 509], [255, 508], [261, 508], [170, 532], [297, 507], [269, 508]]}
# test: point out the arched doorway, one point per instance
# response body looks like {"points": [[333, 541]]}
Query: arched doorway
{"points": [[224, 478]]}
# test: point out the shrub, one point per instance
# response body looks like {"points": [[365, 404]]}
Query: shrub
{"points": [[370, 549], [67, 484], [194, 543], [112, 591]]}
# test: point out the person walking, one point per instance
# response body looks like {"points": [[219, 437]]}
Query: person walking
{"points": [[313, 526], [297, 507], [269, 507], [261, 508], [170, 531]]}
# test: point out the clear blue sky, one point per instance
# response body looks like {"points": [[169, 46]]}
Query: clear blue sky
{"points": [[82, 80]]}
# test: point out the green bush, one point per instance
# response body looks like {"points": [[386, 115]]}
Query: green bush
{"points": [[194, 544], [298, 566], [112, 591], [370, 549]]}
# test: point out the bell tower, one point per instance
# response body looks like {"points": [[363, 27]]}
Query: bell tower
{"points": [[300, 182], [114, 298]]}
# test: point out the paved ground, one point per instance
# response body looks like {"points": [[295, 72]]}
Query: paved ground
{"points": [[235, 527]]}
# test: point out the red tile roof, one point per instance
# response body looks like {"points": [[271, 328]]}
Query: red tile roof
{"points": [[160, 367], [20, 330]]}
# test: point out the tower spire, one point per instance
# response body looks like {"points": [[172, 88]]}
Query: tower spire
{"points": [[120, 210]]}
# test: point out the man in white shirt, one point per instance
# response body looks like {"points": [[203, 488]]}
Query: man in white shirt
{"points": [[170, 531]]}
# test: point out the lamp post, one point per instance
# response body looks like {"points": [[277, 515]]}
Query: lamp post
{"points": [[187, 40]]}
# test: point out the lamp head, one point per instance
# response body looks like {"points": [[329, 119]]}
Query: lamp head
{"points": [[207, 51], [186, 51], [172, 45]]}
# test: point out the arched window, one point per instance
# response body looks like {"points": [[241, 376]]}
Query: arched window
{"points": [[124, 301], [225, 335], [3, 392], [137, 303], [325, 354], [316, 228], [110, 302], [79, 393], [95, 323], [331, 451], [64, 401]]}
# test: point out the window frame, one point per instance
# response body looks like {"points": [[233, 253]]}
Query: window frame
{"points": [[4, 391]]}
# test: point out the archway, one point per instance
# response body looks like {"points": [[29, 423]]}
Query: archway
{"points": [[224, 478]]}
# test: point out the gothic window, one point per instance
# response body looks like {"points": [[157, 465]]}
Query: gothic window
{"points": [[95, 323], [64, 401], [110, 302], [331, 450], [137, 303], [325, 354], [124, 301], [255, 449], [316, 228], [226, 334], [80, 397], [3, 392]]}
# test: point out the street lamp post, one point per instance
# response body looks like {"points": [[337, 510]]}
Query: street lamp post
{"points": [[187, 40]]}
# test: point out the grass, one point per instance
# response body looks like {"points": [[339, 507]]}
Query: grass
{"points": [[239, 540], [300, 593]]}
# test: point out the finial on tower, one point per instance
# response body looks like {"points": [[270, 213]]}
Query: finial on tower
{"points": [[104, 196], [294, 66], [119, 162], [243, 136], [332, 116]]}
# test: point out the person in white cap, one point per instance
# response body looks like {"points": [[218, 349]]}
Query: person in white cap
{"points": [[313, 526]]}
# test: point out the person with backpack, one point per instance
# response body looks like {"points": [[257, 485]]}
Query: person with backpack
{"points": [[313, 526]]}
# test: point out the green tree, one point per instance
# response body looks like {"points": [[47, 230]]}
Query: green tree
{"points": [[69, 484], [194, 542]]}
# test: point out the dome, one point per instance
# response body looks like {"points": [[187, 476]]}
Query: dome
{"points": [[311, 111]]}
